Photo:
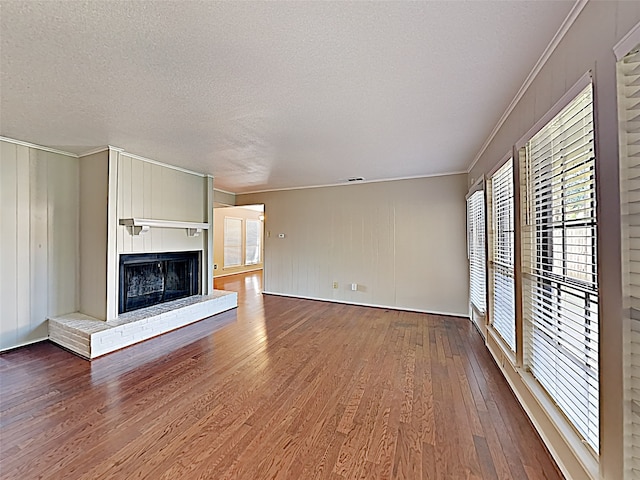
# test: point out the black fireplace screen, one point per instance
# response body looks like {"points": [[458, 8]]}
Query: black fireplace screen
{"points": [[152, 278]]}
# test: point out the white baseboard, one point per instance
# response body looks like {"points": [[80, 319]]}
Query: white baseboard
{"points": [[373, 305], [30, 342]]}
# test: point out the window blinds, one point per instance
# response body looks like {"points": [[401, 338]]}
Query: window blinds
{"points": [[560, 296], [252, 240], [629, 103], [232, 242], [477, 259], [502, 259]]}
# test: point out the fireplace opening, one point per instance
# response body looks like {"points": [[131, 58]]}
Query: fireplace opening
{"points": [[151, 278]]}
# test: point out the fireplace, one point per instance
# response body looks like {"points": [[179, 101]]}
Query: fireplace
{"points": [[152, 278]]}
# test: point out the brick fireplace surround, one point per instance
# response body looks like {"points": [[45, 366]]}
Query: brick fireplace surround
{"points": [[91, 338]]}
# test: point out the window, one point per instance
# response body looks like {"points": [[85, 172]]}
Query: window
{"points": [[477, 261], [629, 109], [560, 290], [502, 297], [232, 242], [252, 242]]}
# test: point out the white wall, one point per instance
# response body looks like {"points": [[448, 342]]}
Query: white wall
{"points": [[149, 190], [587, 46], [218, 221], [38, 241], [94, 199], [403, 242]]}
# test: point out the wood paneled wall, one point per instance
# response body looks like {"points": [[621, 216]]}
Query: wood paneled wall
{"points": [[38, 241], [403, 242], [587, 46], [148, 190]]}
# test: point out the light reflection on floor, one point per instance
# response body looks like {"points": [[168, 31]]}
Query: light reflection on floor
{"points": [[249, 289]]}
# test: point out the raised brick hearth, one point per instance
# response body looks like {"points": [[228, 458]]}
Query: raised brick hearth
{"points": [[91, 338]]}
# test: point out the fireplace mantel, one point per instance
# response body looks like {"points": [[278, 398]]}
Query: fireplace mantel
{"points": [[140, 226]]}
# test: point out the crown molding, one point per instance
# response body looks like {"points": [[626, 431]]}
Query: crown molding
{"points": [[38, 147], [223, 191], [155, 162], [555, 41], [627, 43], [95, 150], [345, 184]]}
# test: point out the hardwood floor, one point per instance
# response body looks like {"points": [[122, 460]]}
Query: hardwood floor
{"points": [[279, 388]]}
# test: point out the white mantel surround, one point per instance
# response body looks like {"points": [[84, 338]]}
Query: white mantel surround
{"points": [[149, 208]]}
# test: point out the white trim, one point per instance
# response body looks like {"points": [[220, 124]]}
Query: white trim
{"points": [[24, 344], [39, 147], [590, 466], [104, 149], [502, 345], [223, 191], [577, 87], [149, 222], [555, 41], [98, 150], [258, 267], [343, 184], [478, 186], [372, 305], [155, 162], [498, 166], [628, 43]]}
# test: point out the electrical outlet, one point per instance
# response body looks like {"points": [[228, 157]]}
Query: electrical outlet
{"points": [[354, 287], [215, 266], [335, 284]]}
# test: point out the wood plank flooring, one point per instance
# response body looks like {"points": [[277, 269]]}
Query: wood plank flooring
{"points": [[280, 388]]}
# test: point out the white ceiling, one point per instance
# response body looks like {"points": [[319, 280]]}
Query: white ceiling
{"points": [[270, 95]]}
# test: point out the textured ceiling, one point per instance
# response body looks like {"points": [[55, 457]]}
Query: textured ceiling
{"points": [[272, 94]]}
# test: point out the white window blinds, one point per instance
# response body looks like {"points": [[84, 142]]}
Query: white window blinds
{"points": [[629, 103], [232, 242], [502, 296], [560, 291], [477, 260], [252, 240]]}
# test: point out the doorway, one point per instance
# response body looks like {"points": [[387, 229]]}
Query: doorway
{"points": [[238, 242]]}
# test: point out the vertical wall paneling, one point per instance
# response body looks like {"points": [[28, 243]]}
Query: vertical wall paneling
{"points": [[587, 46], [207, 256], [147, 190], [23, 273], [124, 199], [62, 233], [94, 196], [147, 207], [113, 265], [136, 198], [402, 242], [38, 241], [156, 204], [8, 245]]}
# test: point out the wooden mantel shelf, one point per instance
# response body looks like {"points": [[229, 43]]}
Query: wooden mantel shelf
{"points": [[140, 226]]}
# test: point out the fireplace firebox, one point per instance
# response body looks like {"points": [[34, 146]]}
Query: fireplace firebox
{"points": [[152, 278]]}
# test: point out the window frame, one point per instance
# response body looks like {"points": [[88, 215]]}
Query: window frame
{"points": [[542, 287], [257, 245], [227, 221], [477, 245], [494, 230]]}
